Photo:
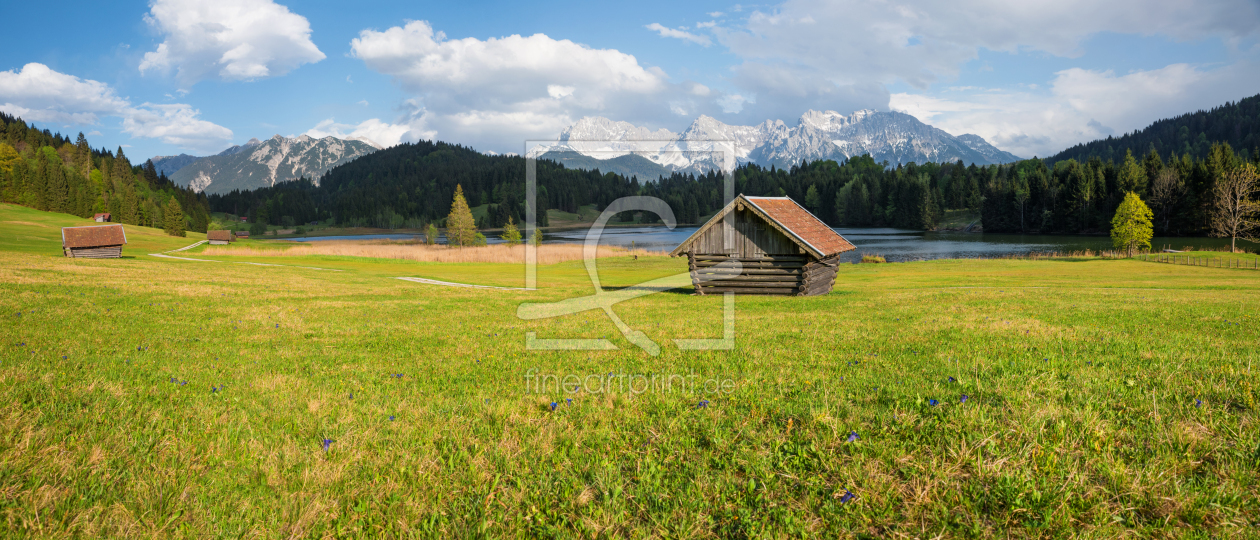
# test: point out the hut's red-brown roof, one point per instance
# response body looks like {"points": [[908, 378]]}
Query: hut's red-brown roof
{"points": [[803, 224], [220, 235], [84, 237]]}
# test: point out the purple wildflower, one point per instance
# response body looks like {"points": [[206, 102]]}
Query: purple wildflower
{"points": [[932, 402], [391, 418], [951, 379], [553, 406], [848, 496], [853, 436], [327, 443], [1198, 402], [964, 399]]}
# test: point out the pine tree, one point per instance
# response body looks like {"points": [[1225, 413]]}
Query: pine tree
{"points": [[460, 225], [431, 235], [174, 217], [511, 234], [1131, 227]]}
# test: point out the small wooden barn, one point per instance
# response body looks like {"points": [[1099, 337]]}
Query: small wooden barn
{"points": [[242, 234], [93, 242], [101, 217], [220, 237], [781, 247]]}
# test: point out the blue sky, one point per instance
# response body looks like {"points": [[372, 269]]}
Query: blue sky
{"points": [[196, 76]]}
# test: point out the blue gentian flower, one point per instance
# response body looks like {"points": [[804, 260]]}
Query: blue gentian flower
{"points": [[64, 357], [327, 443], [853, 436], [932, 402], [569, 401], [951, 379], [848, 496], [553, 405], [1198, 402], [704, 404], [964, 399], [351, 395], [391, 418]]}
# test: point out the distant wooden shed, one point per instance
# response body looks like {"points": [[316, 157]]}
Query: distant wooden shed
{"points": [[93, 242], [101, 217], [781, 248], [220, 237], [242, 234]]}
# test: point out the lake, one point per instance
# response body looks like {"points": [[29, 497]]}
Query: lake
{"points": [[893, 244]]}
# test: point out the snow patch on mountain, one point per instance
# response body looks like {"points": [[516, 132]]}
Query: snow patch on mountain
{"points": [[709, 143], [258, 164]]}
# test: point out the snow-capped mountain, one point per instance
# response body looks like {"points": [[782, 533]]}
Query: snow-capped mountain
{"points": [[258, 164], [892, 136]]}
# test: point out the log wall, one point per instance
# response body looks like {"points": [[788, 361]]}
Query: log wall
{"points": [[789, 275], [102, 252]]}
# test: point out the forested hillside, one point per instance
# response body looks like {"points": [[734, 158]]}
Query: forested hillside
{"points": [[1236, 124], [412, 185], [47, 171]]}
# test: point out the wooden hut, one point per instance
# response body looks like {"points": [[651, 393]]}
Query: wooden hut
{"points": [[93, 242], [242, 234], [781, 247], [101, 217], [220, 237]]}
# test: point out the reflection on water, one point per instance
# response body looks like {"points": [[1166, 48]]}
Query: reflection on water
{"points": [[893, 244]]}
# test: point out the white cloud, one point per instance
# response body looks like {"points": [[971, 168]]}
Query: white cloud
{"points": [[556, 91], [40, 94], [709, 24], [679, 34], [175, 124], [842, 54], [1081, 105], [378, 133], [716, 14], [232, 40], [498, 92]]}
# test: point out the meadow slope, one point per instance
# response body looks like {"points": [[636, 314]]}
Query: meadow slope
{"points": [[1005, 398]]}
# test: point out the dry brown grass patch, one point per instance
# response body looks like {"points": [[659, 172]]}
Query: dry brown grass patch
{"points": [[499, 253]]}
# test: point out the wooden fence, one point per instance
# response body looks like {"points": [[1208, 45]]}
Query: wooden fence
{"points": [[1197, 260]]}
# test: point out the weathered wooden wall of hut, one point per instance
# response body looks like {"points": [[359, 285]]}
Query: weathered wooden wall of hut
{"points": [[103, 252], [798, 275], [744, 235]]}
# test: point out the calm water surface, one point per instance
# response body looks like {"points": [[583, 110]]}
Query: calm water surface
{"points": [[892, 244]]}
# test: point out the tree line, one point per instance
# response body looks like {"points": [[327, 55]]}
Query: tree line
{"points": [[410, 185], [48, 172]]}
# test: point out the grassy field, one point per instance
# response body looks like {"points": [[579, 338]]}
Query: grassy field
{"points": [[994, 399]]}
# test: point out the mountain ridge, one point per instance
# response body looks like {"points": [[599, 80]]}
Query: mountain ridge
{"points": [[257, 164], [887, 136]]}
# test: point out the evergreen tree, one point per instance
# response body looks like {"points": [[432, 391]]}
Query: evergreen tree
{"points": [[174, 218], [1131, 227], [460, 225], [1132, 175], [812, 200], [511, 234], [431, 235]]}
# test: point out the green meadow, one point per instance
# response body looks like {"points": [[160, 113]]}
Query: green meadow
{"points": [[322, 397]]}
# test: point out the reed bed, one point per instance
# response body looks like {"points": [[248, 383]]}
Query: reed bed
{"points": [[499, 253]]}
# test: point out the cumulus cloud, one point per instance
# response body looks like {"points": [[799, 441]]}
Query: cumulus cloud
{"points": [[374, 131], [1080, 105], [499, 92], [679, 34], [232, 40], [176, 124], [40, 94], [843, 54]]}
